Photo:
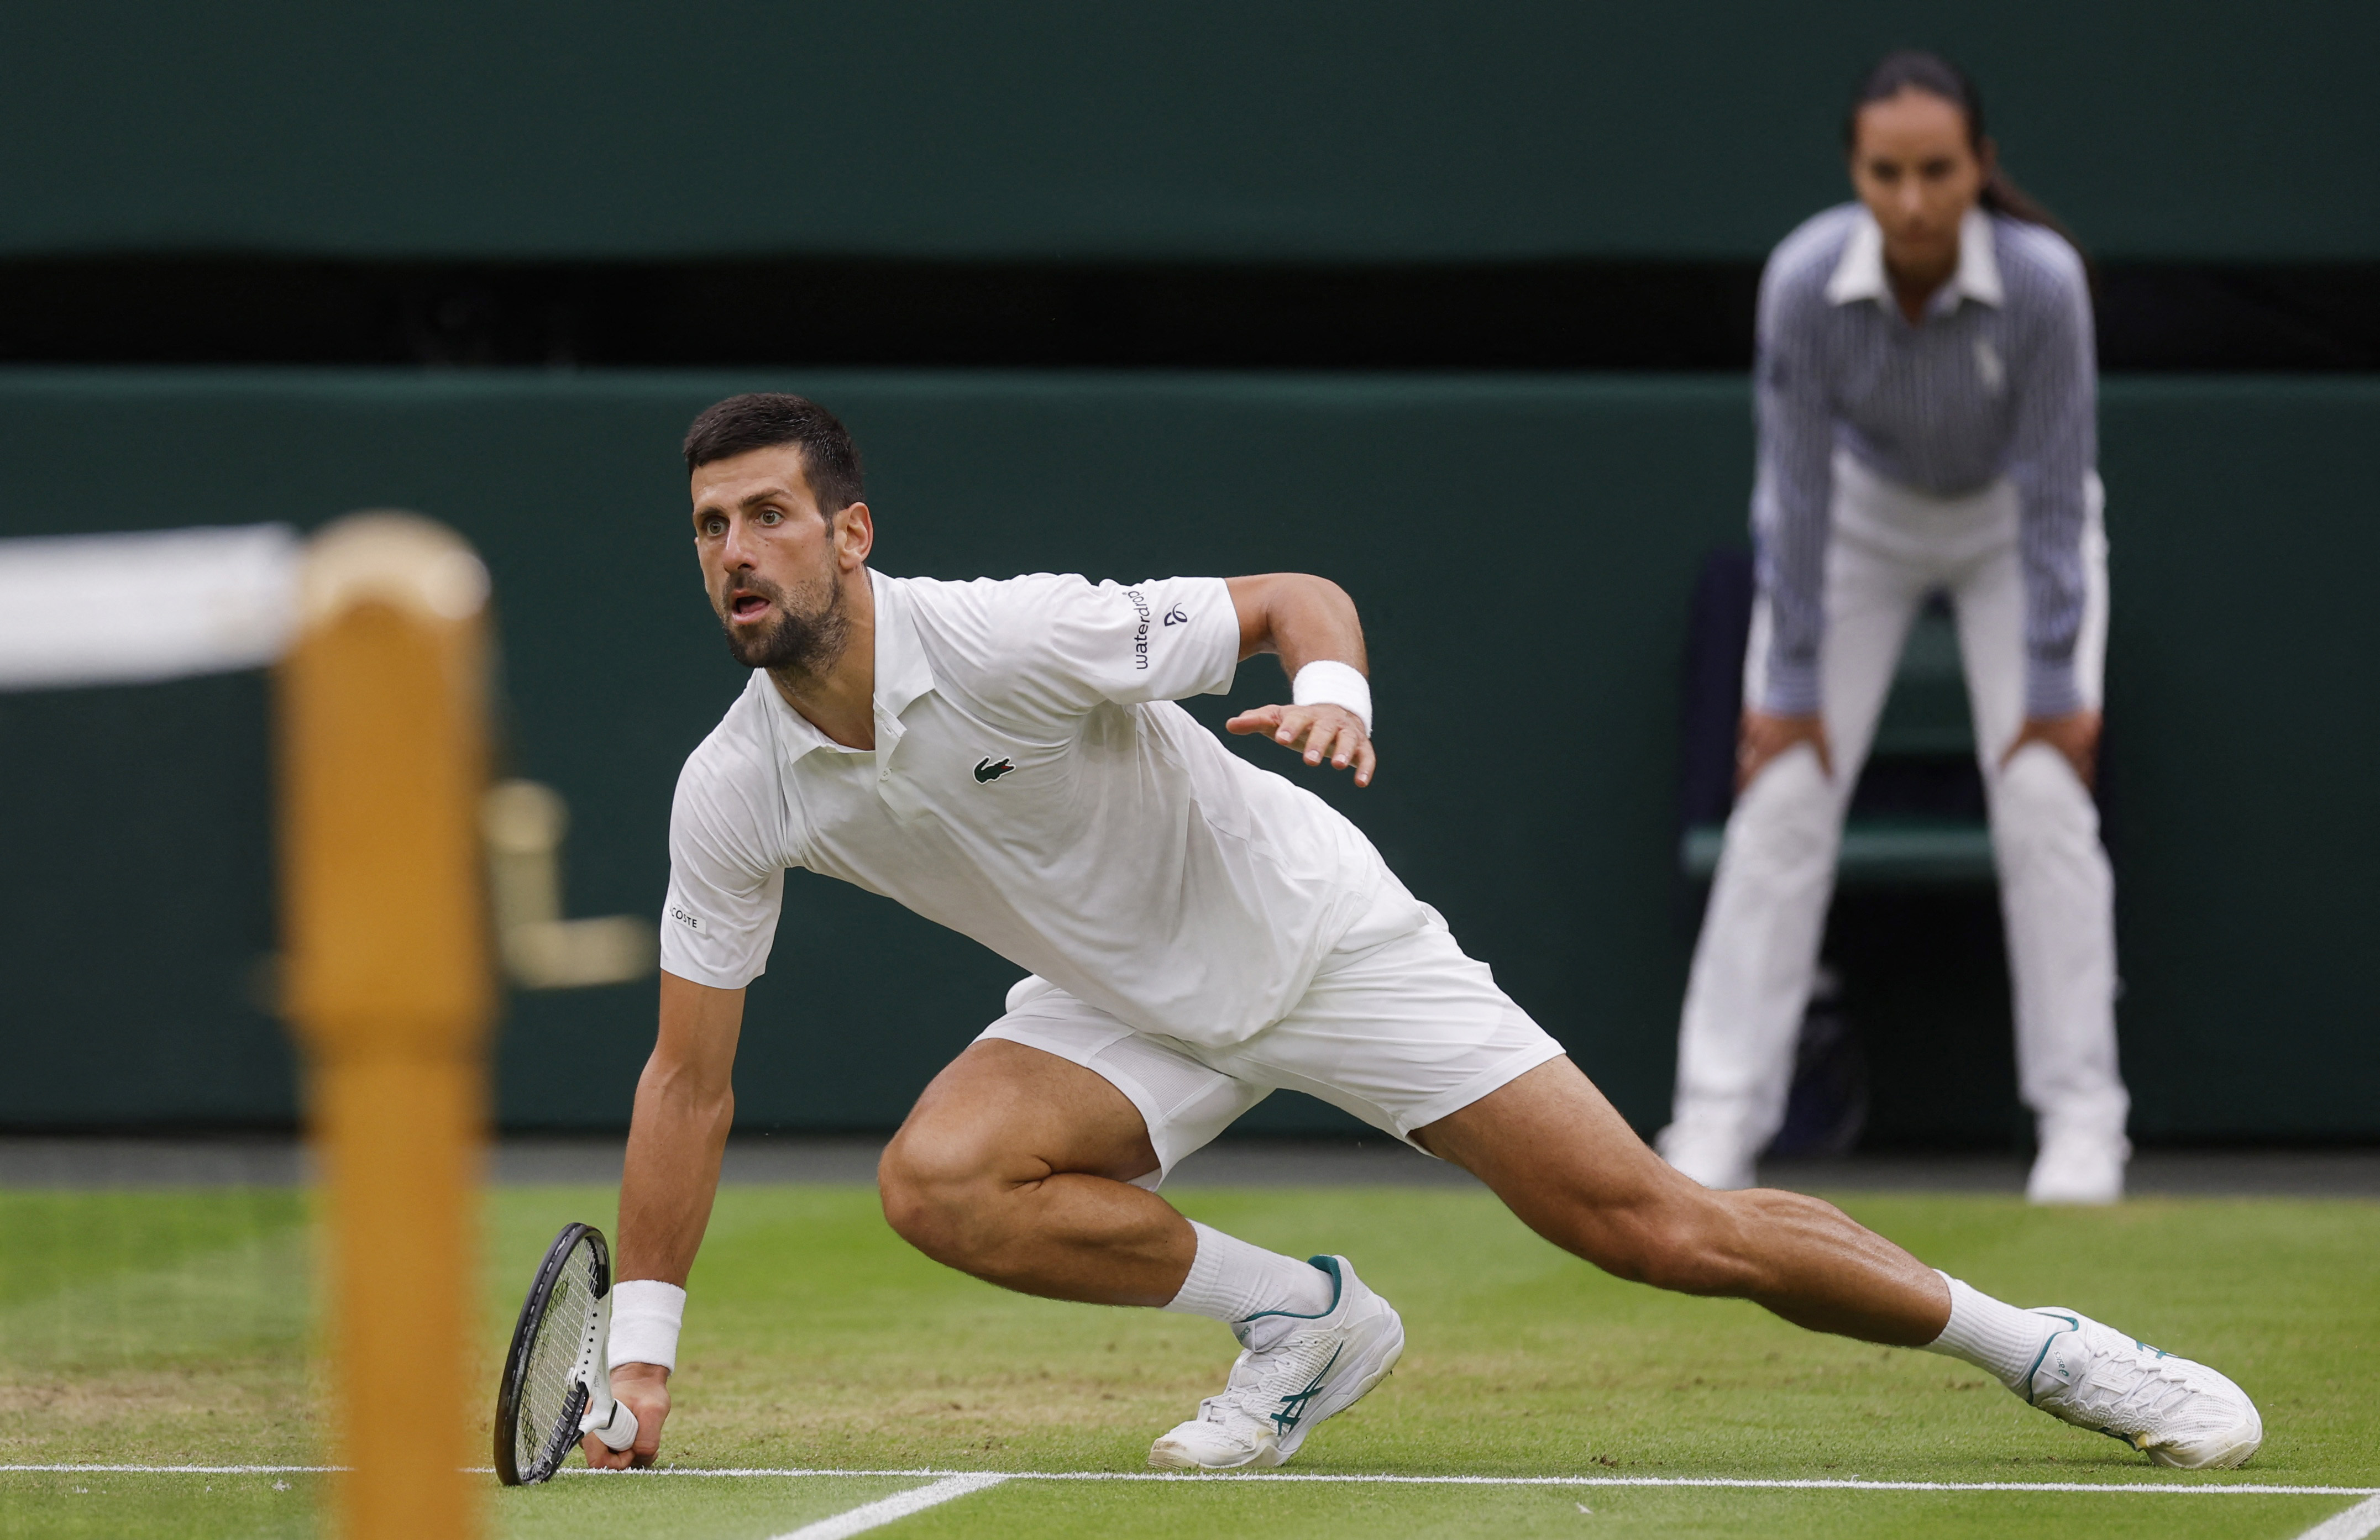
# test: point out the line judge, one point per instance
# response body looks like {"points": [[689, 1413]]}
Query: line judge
{"points": [[1928, 423]]}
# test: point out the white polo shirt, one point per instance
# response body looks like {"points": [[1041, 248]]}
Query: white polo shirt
{"points": [[1033, 786]]}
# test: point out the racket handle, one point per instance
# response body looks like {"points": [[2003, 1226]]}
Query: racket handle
{"points": [[606, 1418], [618, 1428]]}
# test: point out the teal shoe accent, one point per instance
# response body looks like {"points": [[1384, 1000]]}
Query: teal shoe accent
{"points": [[1338, 1286], [2071, 1325]]}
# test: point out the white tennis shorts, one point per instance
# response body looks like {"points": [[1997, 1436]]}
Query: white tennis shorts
{"points": [[1399, 1033]]}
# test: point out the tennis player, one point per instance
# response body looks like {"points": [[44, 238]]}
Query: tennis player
{"points": [[1927, 406], [1006, 758]]}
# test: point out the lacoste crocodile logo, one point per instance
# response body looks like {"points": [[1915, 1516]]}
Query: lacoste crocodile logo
{"points": [[986, 770]]}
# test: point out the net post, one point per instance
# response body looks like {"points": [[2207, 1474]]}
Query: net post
{"points": [[380, 706]]}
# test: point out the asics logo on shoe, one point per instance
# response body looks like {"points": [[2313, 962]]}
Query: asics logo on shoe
{"points": [[1292, 1406], [984, 770]]}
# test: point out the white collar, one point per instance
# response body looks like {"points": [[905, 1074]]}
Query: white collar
{"points": [[903, 673], [1859, 273]]}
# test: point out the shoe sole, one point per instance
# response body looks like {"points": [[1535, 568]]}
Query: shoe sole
{"points": [[2239, 1448], [1166, 1455]]}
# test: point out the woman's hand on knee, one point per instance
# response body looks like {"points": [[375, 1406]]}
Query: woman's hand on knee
{"points": [[2074, 736], [1766, 737]]}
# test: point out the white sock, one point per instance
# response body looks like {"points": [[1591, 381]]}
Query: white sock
{"points": [[1231, 1280], [1999, 1339]]}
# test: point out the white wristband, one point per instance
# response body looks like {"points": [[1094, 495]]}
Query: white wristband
{"points": [[646, 1315], [1326, 683]]}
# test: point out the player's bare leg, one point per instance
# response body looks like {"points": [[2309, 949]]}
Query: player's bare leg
{"points": [[1016, 1166], [1553, 1149]]}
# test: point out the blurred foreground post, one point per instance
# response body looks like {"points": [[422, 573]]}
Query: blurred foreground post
{"points": [[382, 762]]}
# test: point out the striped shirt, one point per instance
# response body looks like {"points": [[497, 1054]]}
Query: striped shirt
{"points": [[1999, 379]]}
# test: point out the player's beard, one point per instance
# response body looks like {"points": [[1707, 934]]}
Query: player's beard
{"points": [[803, 639]]}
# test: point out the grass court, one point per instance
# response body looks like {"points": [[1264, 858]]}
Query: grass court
{"points": [[171, 1329]]}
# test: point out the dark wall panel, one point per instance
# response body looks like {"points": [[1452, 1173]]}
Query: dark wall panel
{"points": [[136, 897], [2245, 523], [1522, 549], [1405, 130]]}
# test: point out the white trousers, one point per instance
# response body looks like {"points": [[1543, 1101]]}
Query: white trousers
{"points": [[1891, 547]]}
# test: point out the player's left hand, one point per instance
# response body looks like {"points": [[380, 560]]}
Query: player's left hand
{"points": [[1319, 732], [2075, 736]]}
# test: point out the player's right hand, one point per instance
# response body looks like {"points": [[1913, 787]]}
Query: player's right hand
{"points": [[1319, 732], [644, 1387]]}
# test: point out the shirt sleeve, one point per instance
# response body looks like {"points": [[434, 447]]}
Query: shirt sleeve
{"points": [[1791, 513], [1083, 643], [2053, 450], [720, 918]]}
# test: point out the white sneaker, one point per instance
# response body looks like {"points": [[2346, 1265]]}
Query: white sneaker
{"points": [[1295, 1371], [2177, 1413], [2079, 1168], [1712, 1158]]}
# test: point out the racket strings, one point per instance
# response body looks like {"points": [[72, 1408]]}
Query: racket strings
{"points": [[552, 1395]]}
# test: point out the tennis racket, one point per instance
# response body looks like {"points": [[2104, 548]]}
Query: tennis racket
{"points": [[557, 1382]]}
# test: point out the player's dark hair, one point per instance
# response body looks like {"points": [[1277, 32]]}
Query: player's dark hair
{"points": [[1915, 69], [763, 419]]}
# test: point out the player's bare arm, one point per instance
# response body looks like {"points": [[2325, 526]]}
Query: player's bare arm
{"points": [[1304, 620], [786, 571], [685, 1101]]}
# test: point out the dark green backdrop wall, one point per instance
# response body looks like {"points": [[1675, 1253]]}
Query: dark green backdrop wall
{"points": [[1396, 129], [1522, 547]]}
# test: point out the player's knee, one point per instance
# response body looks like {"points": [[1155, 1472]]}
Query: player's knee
{"points": [[935, 1193]]}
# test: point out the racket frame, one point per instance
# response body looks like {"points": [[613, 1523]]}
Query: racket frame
{"points": [[601, 1414]]}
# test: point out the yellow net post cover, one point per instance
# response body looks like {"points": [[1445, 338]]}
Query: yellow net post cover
{"points": [[383, 724]]}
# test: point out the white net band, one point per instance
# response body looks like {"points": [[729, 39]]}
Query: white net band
{"points": [[132, 608]]}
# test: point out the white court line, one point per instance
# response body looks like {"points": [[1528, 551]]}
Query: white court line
{"points": [[898, 1506], [2353, 1524], [1847, 1483], [2243, 1488]]}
